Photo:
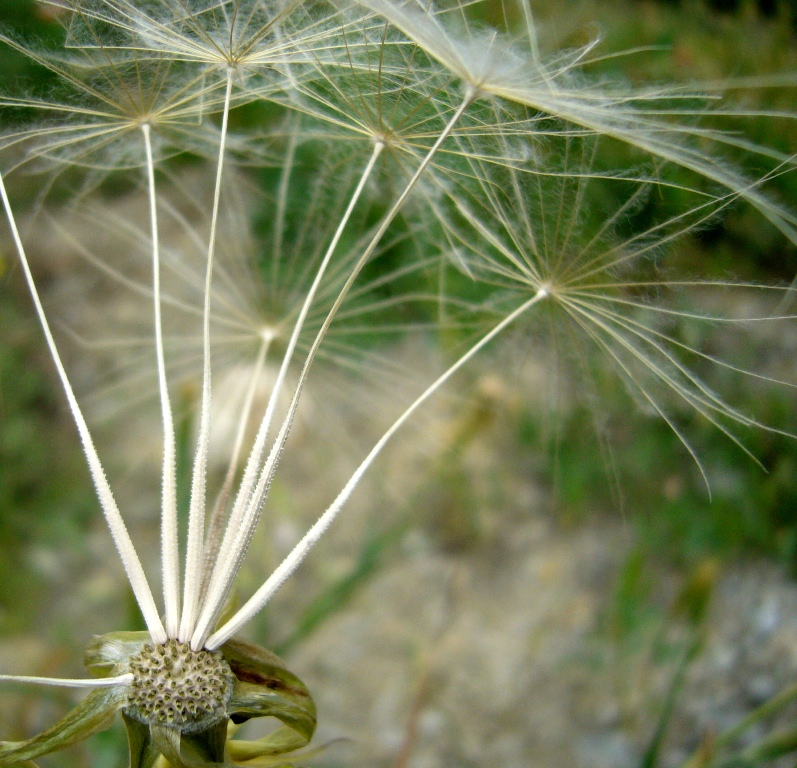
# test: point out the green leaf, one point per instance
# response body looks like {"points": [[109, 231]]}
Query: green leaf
{"points": [[651, 757], [773, 746], [93, 714]]}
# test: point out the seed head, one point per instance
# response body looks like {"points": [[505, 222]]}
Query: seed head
{"points": [[173, 685]]}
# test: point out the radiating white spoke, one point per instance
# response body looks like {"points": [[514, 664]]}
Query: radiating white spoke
{"points": [[169, 542], [229, 554], [70, 682], [196, 515], [230, 560], [121, 537], [256, 603], [216, 523]]}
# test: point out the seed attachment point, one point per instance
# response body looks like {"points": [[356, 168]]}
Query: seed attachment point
{"points": [[175, 686]]}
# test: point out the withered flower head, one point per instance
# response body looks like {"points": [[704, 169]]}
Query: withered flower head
{"points": [[182, 704]]}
